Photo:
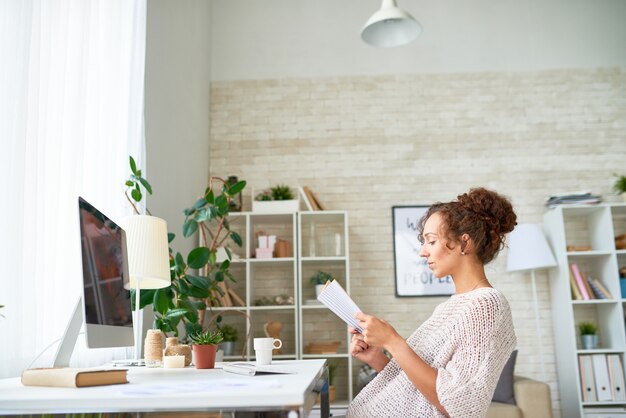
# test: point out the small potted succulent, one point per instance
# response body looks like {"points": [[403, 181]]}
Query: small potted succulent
{"points": [[319, 279], [278, 198], [205, 347], [588, 335], [230, 335]]}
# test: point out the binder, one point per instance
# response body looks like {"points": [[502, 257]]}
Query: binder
{"points": [[601, 375], [589, 384], [616, 377]]}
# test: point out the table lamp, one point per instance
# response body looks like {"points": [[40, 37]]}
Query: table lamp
{"points": [[148, 260], [529, 250]]}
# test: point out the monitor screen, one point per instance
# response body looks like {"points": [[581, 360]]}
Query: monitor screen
{"points": [[107, 307]]}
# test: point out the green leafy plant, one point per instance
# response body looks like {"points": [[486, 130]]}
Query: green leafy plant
{"points": [[207, 337], [229, 332], [332, 372], [2, 306], [320, 277], [619, 186], [587, 328], [194, 279], [278, 192]]}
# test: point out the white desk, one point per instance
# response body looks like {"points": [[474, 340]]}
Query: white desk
{"points": [[187, 389]]}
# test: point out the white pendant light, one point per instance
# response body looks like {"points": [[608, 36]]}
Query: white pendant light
{"points": [[390, 26]]}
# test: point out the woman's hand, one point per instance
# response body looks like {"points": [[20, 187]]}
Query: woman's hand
{"points": [[361, 350], [377, 332]]}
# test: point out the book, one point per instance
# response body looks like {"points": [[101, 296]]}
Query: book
{"points": [[601, 376], [616, 377], [588, 385], [305, 198], [235, 297], [579, 282], [575, 292], [595, 289], [311, 198], [337, 300], [603, 289], [251, 369], [73, 377]]}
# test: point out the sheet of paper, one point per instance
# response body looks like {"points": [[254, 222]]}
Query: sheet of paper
{"points": [[338, 301], [196, 386]]}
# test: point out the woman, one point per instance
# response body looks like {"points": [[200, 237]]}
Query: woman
{"points": [[451, 364]]}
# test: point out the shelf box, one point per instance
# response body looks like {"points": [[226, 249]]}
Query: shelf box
{"points": [[275, 206]]}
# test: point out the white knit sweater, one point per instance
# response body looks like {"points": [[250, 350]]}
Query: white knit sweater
{"points": [[468, 339]]}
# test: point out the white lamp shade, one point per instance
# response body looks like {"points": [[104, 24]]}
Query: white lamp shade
{"points": [[528, 249], [390, 27], [148, 252]]}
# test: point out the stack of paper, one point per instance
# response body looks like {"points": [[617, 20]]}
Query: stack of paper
{"points": [[338, 301]]}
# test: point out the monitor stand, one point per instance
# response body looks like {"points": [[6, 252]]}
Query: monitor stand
{"points": [[64, 352]]}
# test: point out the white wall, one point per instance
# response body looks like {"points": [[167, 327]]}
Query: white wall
{"points": [[177, 108], [255, 39]]}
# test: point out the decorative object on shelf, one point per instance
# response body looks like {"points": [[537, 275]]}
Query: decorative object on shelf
{"points": [[332, 373], [319, 279], [153, 351], [579, 248], [580, 198], [174, 362], [529, 250], [266, 245], [185, 299], [390, 26], [620, 242], [588, 335], [283, 249], [174, 348], [272, 329], [279, 198], [366, 374], [619, 187], [230, 334], [322, 347], [205, 347], [276, 300]]}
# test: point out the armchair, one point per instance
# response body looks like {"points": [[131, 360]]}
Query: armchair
{"points": [[533, 400]]}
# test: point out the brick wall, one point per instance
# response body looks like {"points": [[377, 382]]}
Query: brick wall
{"points": [[364, 144]]}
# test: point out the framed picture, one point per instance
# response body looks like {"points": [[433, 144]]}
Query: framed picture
{"points": [[412, 274]]}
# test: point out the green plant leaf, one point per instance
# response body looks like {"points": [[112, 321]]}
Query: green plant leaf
{"points": [[136, 195], [198, 292], [170, 237], [180, 263], [192, 328], [175, 313], [145, 298], [200, 216], [200, 203], [236, 238], [189, 227], [237, 188], [129, 183], [213, 257], [209, 196], [198, 257], [219, 276], [133, 166], [221, 202], [198, 281], [161, 301], [191, 313], [145, 184], [225, 264]]}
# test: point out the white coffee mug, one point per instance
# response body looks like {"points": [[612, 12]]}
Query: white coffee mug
{"points": [[263, 349]]}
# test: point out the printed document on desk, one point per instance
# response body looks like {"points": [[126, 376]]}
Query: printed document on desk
{"points": [[250, 369], [338, 301]]}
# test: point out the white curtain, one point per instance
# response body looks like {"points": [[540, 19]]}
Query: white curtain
{"points": [[71, 112]]}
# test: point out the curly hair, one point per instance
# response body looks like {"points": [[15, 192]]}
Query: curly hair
{"points": [[484, 215]]}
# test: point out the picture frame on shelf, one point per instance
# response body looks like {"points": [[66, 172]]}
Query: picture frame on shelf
{"points": [[413, 277]]}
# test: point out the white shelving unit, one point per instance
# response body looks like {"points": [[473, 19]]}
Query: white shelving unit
{"points": [[594, 226], [319, 241]]}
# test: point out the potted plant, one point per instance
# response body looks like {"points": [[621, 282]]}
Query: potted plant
{"points": [[230, 335], [279, 198], [204, 348], [588, 335], [319, 279], [197, 278], [619, 187]]}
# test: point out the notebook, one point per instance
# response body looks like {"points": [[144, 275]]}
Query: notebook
{"points": [[251, 369]]}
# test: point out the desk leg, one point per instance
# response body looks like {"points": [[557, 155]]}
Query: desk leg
{"points": [[324, 396]]}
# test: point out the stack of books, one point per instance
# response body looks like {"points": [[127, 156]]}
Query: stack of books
{"points": [[585, 287], [575, 198]]}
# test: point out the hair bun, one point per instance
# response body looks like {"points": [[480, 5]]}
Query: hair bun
{"points": [[493, 208]]}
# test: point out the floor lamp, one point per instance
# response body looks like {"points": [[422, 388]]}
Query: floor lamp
{"points": [[529, 250], [148, 261]]}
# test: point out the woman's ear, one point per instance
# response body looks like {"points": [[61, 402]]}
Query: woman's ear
{"points": [[466, 244]]}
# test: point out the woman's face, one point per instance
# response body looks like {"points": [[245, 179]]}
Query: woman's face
{"points": [[440, 258]]}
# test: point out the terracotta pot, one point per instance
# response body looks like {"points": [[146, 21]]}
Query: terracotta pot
{"points": [[204, 356]]}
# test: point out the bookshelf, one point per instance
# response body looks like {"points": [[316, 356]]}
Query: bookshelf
{"points": [[318, 240], [589, 231]]}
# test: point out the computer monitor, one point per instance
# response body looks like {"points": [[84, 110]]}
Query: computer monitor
{"points": [[104, 305]]}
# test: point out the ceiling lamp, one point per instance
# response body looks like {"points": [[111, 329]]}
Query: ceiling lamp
{"points": [[390, 27]]}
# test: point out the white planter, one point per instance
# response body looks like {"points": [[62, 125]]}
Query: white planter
{"points": [[318, 289], [275, 206]]}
